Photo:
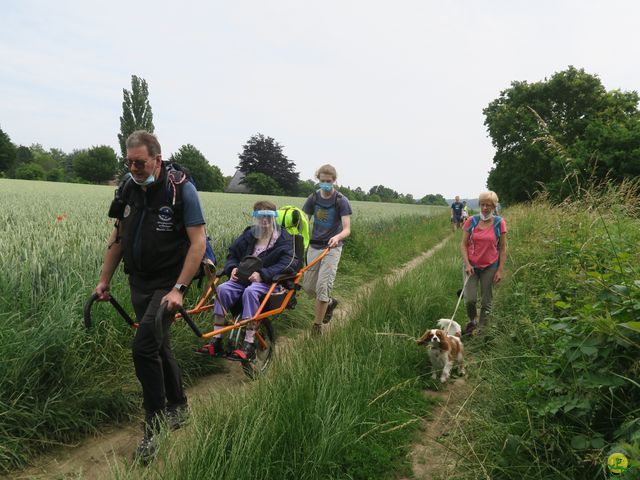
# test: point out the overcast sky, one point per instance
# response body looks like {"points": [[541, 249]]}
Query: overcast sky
{"points": [[388, 92]]}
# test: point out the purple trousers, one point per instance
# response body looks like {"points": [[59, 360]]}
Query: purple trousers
{"points": [[230, 292]]}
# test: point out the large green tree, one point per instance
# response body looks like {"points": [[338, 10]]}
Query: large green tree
{"points": [[96, 165], [52, 161], [385, 194], [136, 111], [42, 157], [264, 155], [7, 155], [207, 177], [553, 133], [23, 155], [64, 165], [306, 188], [434, 199], [261, 184], [30, 171]]}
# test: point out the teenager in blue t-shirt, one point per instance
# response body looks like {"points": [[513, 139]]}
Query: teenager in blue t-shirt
{"points": [[331, 213]]}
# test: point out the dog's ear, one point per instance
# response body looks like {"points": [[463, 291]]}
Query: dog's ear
{"points": [[423, 338]]}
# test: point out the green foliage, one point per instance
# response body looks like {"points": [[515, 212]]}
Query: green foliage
{"points": [[436, 199], [264, 155], [7, 154], [386, 194], [42, 157], [208, 177], [356, 194], [55, 175], [96, 165], [600, 131], [568, 395], [30, 171], [136, 111], [261, 184], [307, 187], [23, 155]]}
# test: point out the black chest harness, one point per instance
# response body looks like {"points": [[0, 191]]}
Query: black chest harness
{"points": [[150, 226]]}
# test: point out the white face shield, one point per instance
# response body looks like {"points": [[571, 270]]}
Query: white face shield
{"points": [[264, 223]]}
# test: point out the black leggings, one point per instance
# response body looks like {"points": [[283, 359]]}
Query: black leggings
{"points": [[155, 365]]}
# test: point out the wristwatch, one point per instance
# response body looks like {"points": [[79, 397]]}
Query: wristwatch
{"points": [[181, 287]]}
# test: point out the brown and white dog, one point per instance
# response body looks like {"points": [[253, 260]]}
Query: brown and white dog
{"points": [[445, 348]]}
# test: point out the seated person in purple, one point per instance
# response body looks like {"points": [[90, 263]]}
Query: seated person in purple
{"points": [[275, 247]]}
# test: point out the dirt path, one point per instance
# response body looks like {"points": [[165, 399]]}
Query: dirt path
{"points": [[94, 457], [432, 457]]}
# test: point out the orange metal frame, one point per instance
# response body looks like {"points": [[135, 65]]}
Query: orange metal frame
{"points": [[210, 293]]}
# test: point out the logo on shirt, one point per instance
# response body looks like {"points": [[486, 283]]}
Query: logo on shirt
{"points": [[127, 211], [165, 217], [165, 214], [324, 216]]}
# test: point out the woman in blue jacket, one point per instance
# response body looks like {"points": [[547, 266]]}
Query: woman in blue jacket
{"points": [[275, 248]]}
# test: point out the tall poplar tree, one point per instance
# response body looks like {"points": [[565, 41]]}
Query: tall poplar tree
{"points": [[136, 111]]}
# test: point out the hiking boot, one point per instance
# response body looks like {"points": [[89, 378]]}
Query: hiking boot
{"points": [[246, 354], [176, 415], [146, 450], [316, 330], [333, 303], [469, 328], [214, 348]]}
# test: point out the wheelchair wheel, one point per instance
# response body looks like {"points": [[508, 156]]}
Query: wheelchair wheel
{"points": [[256, 367]]}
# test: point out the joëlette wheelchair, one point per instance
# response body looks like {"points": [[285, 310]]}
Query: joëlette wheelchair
{"points": [[281, 296]]}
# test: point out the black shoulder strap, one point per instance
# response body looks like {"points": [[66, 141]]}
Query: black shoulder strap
{"points": [[337, 202], [125, 188]]}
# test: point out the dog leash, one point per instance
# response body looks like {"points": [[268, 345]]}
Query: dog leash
{"points": [[460, 297]]}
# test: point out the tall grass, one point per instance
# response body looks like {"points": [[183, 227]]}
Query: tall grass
{"points": [[342, 406], [58, 381], [568, 396]]}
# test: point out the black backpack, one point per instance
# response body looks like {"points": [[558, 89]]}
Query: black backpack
{"points": [[336, 203], [176, 176]]}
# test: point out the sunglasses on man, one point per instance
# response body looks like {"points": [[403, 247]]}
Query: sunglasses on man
{"points": [[139, 164]]}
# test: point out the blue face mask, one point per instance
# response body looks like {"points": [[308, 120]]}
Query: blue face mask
{"points": [[326, 186], [149, 180]]}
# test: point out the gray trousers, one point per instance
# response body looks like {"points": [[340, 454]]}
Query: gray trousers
{"points": [[485, 279]]}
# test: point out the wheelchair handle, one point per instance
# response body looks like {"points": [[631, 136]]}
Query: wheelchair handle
{"points": [[162, 311], [88, 322]]}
